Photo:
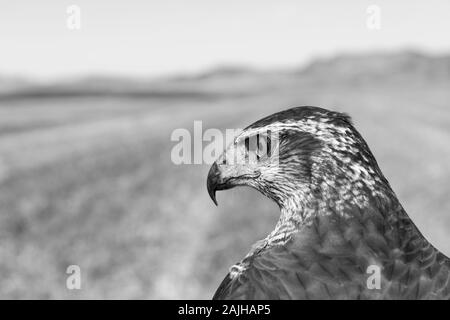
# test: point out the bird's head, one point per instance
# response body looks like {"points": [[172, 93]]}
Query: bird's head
{"points": [[299, 158]]}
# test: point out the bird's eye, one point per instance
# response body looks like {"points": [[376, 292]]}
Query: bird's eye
{"points": [[262, 143], [251, 148], [258, 146]]}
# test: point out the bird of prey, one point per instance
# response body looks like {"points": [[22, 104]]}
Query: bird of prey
{"points": [[340, 220]]}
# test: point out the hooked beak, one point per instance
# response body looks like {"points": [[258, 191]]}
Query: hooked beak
{"points": [[213, 182], [223, 177]]}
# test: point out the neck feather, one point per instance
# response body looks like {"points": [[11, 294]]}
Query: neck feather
{"points": [[326, 197]]}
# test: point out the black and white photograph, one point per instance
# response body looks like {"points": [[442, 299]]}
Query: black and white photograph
{"points": [[224, 150]]}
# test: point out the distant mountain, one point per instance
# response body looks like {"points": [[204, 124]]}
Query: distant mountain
{"points": [[228, 71], [237, 80], [362, 67], [8, 84]]}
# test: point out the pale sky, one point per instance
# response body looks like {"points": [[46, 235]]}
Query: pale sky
{"points": [[151, 38]]}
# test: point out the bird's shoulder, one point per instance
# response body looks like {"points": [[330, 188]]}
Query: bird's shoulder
{"points": [[312, 264], [329, 259]]}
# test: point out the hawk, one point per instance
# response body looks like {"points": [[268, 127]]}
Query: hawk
{"points": [[342, 232]]}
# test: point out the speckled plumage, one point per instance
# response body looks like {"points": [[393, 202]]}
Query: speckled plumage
{"points": [[339, 216]]}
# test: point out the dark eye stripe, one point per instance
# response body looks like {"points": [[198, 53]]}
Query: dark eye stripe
{"points": [[247, 147], [257, 146]]}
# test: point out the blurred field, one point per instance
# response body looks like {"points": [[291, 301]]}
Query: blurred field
{"points": [[87, 179]]}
